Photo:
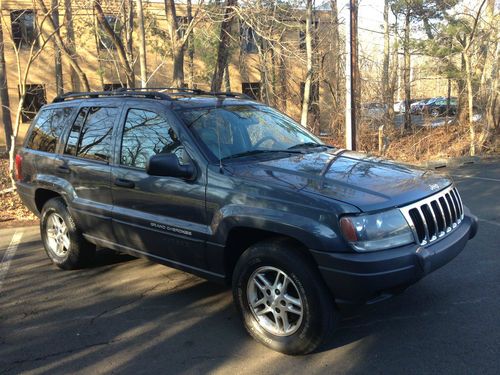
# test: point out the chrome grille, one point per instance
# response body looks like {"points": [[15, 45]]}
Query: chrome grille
{"points": [[435, 216]]}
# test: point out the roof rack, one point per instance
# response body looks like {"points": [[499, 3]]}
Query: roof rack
{"points": [[185, 90], [147, 92], [100, 94]]}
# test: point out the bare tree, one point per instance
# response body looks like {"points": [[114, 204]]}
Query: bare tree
{"points": [[306, 100], [4, 93], [57, 53], [385, 65], [179, 36], [70, 44], [23, 67], [223, 47], [118, 44], [53, 30], [142, 44]]}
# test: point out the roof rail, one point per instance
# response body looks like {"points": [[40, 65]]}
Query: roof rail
{"points": [[147, 92], [173, 90], [185, 90], [100, 94]]}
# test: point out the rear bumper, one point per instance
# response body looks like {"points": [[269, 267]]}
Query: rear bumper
{"points": [[363, 277]]}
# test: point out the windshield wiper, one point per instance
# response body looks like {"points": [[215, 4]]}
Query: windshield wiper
{"points": [[257, 152], [306, 145]]}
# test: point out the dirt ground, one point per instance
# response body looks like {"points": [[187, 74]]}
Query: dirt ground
{"points": [[12, 212]]}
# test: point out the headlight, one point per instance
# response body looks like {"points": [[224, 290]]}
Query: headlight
{"points": [[378, 231]]}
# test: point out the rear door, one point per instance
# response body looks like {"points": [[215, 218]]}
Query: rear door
{"points": [[161, 217], [85, 165]]}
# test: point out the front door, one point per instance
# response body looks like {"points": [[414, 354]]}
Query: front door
{"points": [[160, 217]]}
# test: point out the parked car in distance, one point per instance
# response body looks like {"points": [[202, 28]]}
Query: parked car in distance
{"points": [[439, 107], [416, 107], [402, 105], [373, 110], [234, 191]]}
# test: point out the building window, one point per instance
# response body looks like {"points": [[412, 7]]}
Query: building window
{"points": [[24, 32], [33, 101], [248, 39], [112, 86], [105, 41], [252, 89]]}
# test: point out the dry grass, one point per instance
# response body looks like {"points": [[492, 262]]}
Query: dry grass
{"points": [[12, 210], [420, 144]]}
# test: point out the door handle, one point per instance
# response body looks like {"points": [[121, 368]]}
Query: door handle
{"points": [[63, 169], [124, 183]]}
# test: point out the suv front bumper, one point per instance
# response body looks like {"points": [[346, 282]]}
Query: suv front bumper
{"points": [[365, 277]]}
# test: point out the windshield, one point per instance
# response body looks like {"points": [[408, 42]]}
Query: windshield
{"points": [[241, 130]]}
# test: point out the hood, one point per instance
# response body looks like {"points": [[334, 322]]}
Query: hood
{"points": [[364, 181]]}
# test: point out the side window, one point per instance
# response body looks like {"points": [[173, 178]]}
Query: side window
{"points": [[90, 135], [146, 134], [48, 127]]}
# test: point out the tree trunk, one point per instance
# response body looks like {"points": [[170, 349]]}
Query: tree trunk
{"points": [[306, 100], [470, 104], [57, 51], [385, 65], [142, 44], [407, 62], [223, 48], [70, 44], [178, 67], [118, 44], [189, 11], [176, 43], [4, 94]]}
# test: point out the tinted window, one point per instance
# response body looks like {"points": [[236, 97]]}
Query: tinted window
{"points": [[48, 127], [146, 134], [90, 135]]}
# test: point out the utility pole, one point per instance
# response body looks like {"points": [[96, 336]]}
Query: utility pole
{"points": [[351, 73]]}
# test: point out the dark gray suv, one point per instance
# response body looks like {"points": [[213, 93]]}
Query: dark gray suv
{"points": [[234, 191]]}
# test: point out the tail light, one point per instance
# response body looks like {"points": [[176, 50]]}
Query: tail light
{"points": [[19, 163]]}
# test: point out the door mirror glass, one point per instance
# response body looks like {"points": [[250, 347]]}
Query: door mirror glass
{"points": [[169, 165]]}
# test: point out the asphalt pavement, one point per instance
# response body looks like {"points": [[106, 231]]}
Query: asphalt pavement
{"points": [[131, 316]]}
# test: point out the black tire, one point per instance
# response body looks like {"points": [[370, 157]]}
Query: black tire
{"points": [[319, 315], [435, 112], [80, 252]]}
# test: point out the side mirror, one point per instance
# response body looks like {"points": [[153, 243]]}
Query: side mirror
{"points": [[168, 165]]}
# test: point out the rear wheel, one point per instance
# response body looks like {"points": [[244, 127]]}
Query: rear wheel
{"points": [[63, 241], [281, 298]]}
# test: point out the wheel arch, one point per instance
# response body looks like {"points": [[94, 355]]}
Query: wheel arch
{"points": [[240, 238], [43, 195]]}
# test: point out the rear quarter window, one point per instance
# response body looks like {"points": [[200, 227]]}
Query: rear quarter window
{"points": [[48, 127]]}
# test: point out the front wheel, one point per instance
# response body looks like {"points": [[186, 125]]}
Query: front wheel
{"points": [[281, 298]]}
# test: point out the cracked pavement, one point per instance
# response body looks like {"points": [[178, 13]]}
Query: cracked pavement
{"points": [[127, 315]]}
